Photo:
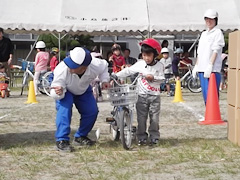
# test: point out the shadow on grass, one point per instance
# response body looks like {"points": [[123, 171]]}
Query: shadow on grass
{"points": [[27, 139], [11, 140]]}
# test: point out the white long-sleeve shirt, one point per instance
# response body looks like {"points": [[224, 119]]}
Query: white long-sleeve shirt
{"points": [[75, 84], [210, 41], [167, 65], [146, 87]]}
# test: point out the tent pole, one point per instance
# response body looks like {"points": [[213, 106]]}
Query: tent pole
{"points": [[59, 47], [194, 43], [32, 48], [59, 43]]}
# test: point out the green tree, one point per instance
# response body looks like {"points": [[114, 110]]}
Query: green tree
{"points": [[68, 42]]}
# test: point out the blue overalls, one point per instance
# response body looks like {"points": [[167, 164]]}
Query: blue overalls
{"points": [[87, 108], [204, 84]]}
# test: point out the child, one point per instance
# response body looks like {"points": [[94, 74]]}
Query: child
{"points": [[167, 62], [3, 78], [54, 60], [117, 59], [175, 62], [41, 62], [148, 103], [71, 85]]}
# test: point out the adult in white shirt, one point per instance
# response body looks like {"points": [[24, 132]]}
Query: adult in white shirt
{"points": [[209, 52], [71, 85]]}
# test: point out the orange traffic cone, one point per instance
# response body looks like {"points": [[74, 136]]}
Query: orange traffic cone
{"points": [[212, 113], [31, 94], [178, 92]]}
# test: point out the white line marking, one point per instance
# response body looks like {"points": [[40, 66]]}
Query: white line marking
{"points": [[198, 116], [6, 115]]}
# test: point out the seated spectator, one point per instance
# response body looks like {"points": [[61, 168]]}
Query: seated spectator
{"points": [[129, 62]]}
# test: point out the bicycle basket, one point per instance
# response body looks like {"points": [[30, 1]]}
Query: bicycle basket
{"points": [[31, 68], [123, 95], [25, 64]]}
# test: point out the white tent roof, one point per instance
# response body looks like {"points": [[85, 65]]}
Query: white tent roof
{"points": [[103, 17]]}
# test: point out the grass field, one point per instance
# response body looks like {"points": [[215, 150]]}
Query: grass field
{"points": [[186, 150]]}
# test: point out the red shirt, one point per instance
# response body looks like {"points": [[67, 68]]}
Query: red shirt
{"points": [[187, 61], [118, 62], [53, 63]]}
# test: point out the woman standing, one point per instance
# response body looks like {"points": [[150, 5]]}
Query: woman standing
{"points": [[209, 52]]}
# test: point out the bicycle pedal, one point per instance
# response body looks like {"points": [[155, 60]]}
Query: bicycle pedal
{"points": [[110, 119]]}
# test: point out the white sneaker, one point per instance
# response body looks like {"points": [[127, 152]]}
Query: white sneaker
{"points": [[202, 119]]}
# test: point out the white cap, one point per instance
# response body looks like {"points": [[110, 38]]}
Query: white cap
{"points": [[164, 50], [78, 57], [211, 13]]}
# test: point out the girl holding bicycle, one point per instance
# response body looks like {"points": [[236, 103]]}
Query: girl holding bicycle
{"points": [[41, 63], [148, 103]]}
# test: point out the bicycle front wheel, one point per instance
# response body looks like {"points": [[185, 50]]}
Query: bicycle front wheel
{"points": [[46, 82], [24, 81], [194, 85], [126, 129]]}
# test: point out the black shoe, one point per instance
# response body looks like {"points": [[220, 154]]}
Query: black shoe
{"points": [[83, 141], [64, 146], [154, 142], [142, 142]]}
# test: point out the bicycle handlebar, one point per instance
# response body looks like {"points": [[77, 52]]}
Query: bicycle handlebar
{"points": [[135, 80]]}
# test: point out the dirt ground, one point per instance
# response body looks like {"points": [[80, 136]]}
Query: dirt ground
{"points": [[29, 128]]}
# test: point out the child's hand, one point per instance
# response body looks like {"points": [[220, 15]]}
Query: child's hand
{"points": [[149, 77], [58, 90], [111, 58], [123, 66]]}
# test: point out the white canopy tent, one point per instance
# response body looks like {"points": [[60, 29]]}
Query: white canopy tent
{"points": [[114, 17]]}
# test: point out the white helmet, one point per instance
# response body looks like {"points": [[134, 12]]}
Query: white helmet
{"points": [[164, 50], [178, 51], [211, 13], [40, 45]]}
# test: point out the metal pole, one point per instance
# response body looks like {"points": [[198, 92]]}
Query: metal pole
{"points": [[194, 43], [32, 48], [59, 47]]}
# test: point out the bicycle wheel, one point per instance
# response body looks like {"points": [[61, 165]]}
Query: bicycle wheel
{"points": [[194, 85], [46, 82], [24, 81], [95, 91], [126, 129]]}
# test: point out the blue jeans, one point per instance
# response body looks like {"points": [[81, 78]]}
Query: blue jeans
{"points": [[204, 84], [87, 108]]}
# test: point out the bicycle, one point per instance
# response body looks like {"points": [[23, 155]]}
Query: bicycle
{"points": [[123, 98], [4, 91], [193, 84], [45, 79]]}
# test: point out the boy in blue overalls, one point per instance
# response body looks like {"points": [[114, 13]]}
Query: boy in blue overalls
{"points": [[71, 85]]}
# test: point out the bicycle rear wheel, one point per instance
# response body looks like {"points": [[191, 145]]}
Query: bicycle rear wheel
{"points": [[194, 85], [24, 81], [126, 129]]}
